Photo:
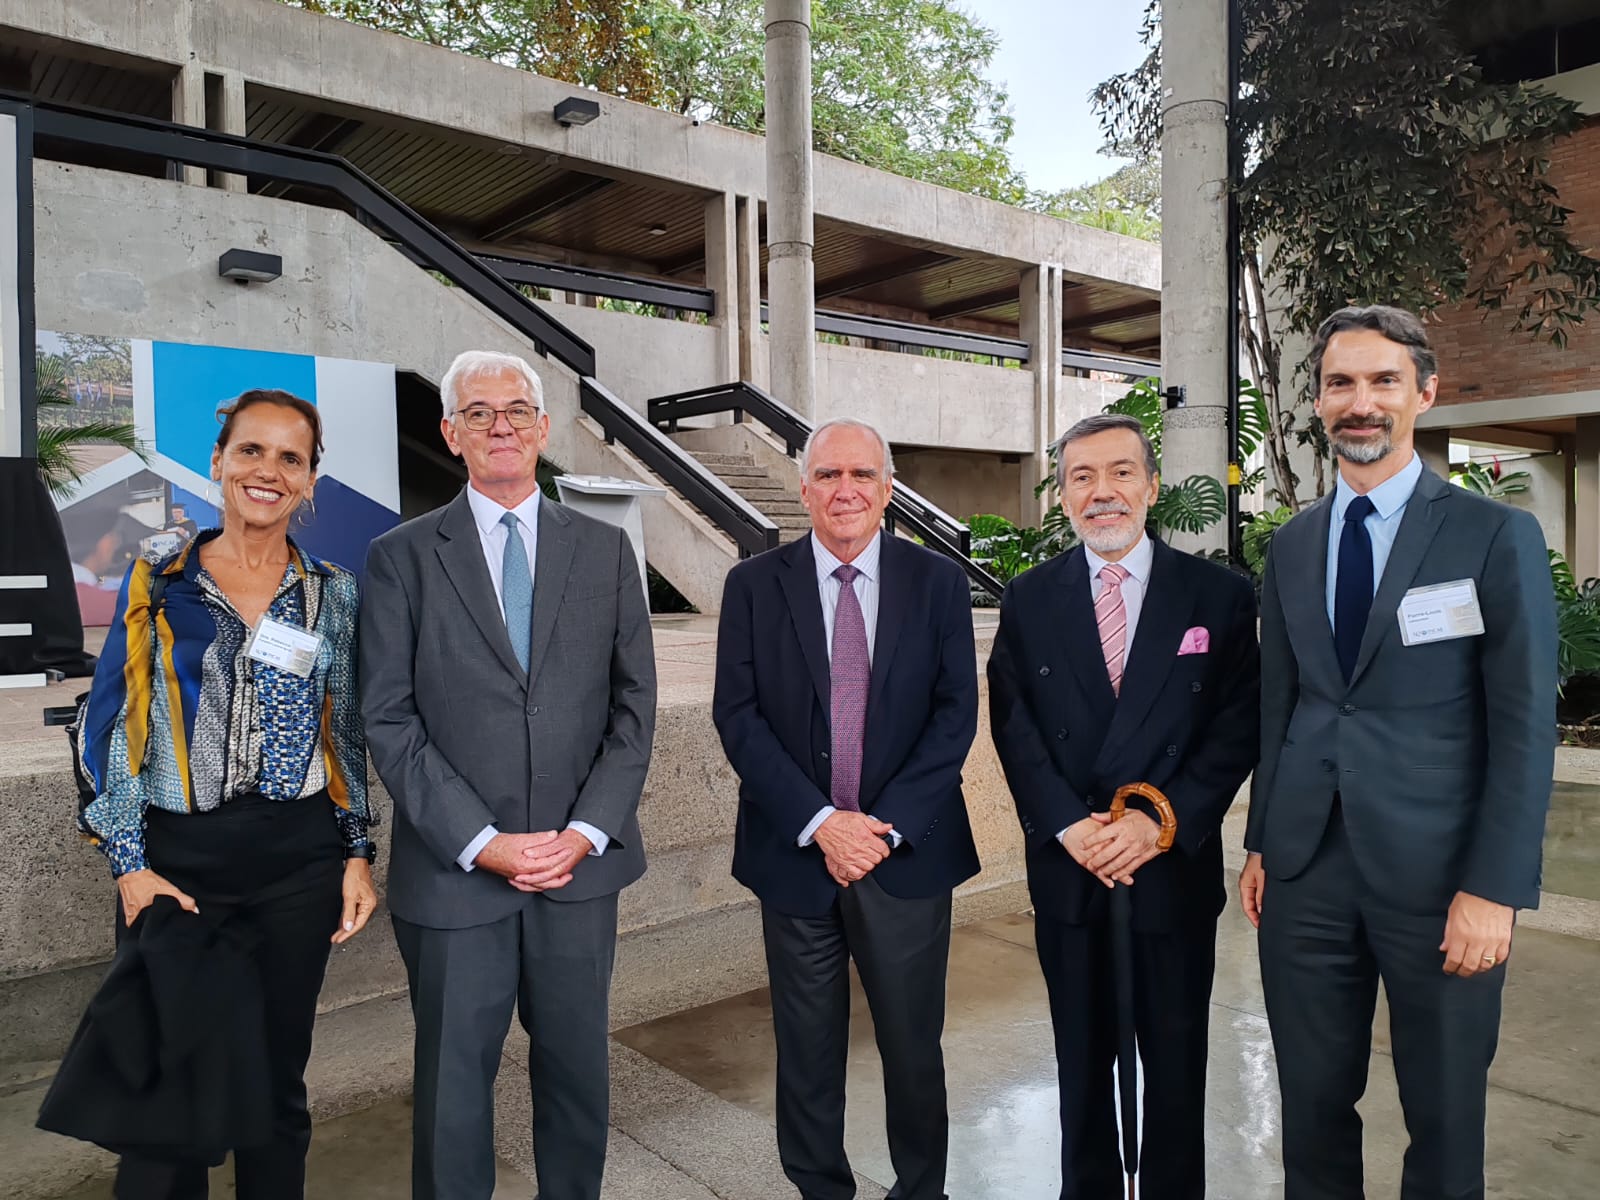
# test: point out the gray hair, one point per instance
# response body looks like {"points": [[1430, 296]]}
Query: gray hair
{"points": [[474, 364], [1103, 423], [1396, 324], [851, 423]]}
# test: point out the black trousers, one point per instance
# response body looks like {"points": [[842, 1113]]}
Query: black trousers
{"points": [[551, 961], [902, 953], [1325, 943], [276, 866], [1172, 974]]}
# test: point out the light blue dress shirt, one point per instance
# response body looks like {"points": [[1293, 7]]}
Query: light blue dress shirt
{"points": [[486, 514], [828, 589], [1383, 523]]}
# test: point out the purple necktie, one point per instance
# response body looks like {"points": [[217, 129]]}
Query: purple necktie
{"points": [[851, 677]]}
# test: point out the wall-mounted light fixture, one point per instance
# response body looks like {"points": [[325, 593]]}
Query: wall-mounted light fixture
{"points": [[575, 110], [249, 266]]}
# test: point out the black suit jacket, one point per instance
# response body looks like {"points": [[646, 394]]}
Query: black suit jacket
{"points": [[772, 707], [1186, 723]]}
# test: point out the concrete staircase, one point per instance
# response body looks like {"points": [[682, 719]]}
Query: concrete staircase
{"points": [[776, 497]]}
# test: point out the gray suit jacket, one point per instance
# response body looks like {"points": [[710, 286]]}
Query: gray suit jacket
{"points": [[463, 738], [1442, 753]]}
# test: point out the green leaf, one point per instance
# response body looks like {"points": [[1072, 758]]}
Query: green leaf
{"points": [[1192, 506]]}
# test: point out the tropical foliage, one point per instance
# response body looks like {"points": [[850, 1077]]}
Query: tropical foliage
{"points": [[1577, 620], [1380, 166], [1493, 480]]}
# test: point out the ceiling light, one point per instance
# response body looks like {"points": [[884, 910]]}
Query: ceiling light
{"points": [[575, 110]]}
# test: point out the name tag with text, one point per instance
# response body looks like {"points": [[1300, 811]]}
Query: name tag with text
{"points": [[1440, 613], [285, 646]]}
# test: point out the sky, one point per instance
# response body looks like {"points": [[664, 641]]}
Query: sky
{"points": [[1052, 53]]}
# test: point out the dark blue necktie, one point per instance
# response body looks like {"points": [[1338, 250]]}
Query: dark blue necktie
{"points": [[1352, 588]]}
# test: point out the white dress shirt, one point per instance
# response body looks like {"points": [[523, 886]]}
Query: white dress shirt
{"points": [[866, 585], [1137, 563], [487, 515]]}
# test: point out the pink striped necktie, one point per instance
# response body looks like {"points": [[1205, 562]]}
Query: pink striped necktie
{"points": [[851, 678], [1111, 615]]}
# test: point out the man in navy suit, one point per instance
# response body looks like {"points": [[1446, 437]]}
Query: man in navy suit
{"points": [[1124, 661], [847, 698]]}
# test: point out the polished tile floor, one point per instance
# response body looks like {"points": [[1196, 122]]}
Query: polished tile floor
{"points": [[1544, 1106]]}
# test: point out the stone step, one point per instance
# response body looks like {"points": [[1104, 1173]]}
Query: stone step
{"points": [[711, 458], [737, 470]]}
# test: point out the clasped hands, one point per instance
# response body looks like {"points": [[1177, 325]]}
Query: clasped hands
{"points": [[535, 862], [1113, 850], [852, 844]]}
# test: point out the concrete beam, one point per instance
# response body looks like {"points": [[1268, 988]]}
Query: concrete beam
{"points": [[722, 277], [753, 361], [189, 108], [344, 64]]}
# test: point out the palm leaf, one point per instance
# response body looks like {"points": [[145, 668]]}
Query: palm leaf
{"points": [[1252, 419], [1192, 506]]}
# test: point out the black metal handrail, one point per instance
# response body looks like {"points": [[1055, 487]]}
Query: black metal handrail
{"points": [[1093, 360], [751, 530], [425, 244], [377, 206], [613, 285], [937, 528], [909, 333]]}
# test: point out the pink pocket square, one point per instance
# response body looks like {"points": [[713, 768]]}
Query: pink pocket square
{"points": [[1196, 641]]}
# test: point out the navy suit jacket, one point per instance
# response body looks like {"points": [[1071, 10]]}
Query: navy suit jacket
{"points": [[772, 708], [1186, 723]]}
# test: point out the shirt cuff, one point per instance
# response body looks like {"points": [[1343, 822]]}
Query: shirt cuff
{"points": [[810, 831], [1060, 835], [124, 851], [475, 847], [895, 838], [600, 840]]}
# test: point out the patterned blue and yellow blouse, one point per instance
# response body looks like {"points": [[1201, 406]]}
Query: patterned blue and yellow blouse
{"points": [[182, 718]]}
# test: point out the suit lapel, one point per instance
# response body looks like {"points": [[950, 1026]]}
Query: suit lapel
{"points": [[1163, 619], [1423, 516], [799, 580], [552, 562], [893, 593], [1084, 654], [461, 556]]}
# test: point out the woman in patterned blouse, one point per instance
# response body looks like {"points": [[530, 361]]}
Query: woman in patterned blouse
{"points": [[223, 734]]}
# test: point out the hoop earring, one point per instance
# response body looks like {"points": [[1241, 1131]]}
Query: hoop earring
{"points": [[301, 515]]}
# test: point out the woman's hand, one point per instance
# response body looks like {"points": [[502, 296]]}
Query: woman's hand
{"points": [[360, 899], [140, 888]]}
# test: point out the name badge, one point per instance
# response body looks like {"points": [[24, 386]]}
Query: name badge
{"points": [[285, 646], [1440, 613]]}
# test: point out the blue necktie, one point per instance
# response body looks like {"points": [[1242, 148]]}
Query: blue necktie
{"points": [[1353, 587], [516, 589]]}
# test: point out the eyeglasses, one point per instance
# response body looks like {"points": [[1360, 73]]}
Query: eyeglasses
{"points": [[481, 417]]}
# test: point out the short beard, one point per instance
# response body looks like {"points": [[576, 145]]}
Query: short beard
{"points": [[1363, 453], [1113, 540]]}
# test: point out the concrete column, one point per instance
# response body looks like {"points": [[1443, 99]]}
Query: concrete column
{"points": [[1040, 327], [722, 277], [231, 119], [791, 293], [1433, 445], [753, 363], [1194, 270], [1586, 508], [189, 108], [12, 299]]}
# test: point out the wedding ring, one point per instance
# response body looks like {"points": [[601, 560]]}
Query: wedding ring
{"points": [[1488, 960]]}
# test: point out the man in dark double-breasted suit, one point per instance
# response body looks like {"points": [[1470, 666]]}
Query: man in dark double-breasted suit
{"points": [[1125, 661]]}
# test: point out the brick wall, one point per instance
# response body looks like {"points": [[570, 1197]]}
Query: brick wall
{"points": [[1480, 358]]}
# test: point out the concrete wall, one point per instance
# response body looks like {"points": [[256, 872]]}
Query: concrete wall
{"points": [[271, 44], [927, 401], [690, 934], [1079, 398], [963, 483], [640, 358], [133, 257]]}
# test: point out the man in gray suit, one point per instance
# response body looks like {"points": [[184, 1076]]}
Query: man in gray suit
{"points": [[508, 683], [1408, 686]]}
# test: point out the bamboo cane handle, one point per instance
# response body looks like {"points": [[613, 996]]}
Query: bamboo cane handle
{"points": [[1163, 807]]}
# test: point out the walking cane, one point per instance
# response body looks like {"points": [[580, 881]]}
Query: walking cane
{"points": [[1122, 970]]}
